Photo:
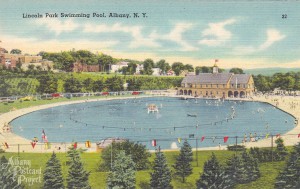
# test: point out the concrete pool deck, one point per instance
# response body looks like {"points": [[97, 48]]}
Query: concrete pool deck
{"points": [[17, 143]]}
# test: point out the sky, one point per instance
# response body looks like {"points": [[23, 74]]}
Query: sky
{"points": [[245, 34]]}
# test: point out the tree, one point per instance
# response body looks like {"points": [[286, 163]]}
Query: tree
{"points": [[183, 161], [161, 175], [213, 176], [177, 67], [8, 175], [6, 89], [131, 69], [236, 71], [53, 175], [289, 177], [281, 150], [15, 51], [235, 171], [78, 178], [98, 85], [250, 165], [19, 67], [105, 61], [30, 68], [262, 83], [72, 85], [114, 83], [189, 67], [203, 69], [88, 85], [47, 84], [138, 152], [134, 84], [122, 175], [148, 65], [66, 61], [163, 66], [296, 148]]}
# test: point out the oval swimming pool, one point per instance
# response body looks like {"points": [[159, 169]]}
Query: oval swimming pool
{"points": [[193, 119]]}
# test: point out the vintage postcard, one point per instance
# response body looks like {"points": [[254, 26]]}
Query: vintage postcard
{"points": [[149, 94]]}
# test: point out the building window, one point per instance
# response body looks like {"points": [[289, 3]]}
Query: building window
{"points": [[200, 86], [206, 86], [210, 85], [223, 85], [217, 86], [232, 85]]}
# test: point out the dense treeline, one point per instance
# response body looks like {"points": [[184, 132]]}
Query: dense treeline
{"points": [[64, 61], [286, 81]]}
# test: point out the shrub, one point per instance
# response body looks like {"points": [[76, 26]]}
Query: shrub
{"points": [[236, 148]]}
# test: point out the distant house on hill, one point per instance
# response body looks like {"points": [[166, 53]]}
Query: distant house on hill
{"points": [[171, 73], [217, 85], [186, 73], [139, 68], [11, 60], [156, 71], [116, 67]]}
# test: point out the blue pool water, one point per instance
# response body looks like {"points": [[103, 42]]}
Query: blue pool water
{"points": [[128, 118]]}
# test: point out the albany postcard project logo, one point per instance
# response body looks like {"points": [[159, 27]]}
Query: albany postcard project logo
{"points": [[22, 172]]}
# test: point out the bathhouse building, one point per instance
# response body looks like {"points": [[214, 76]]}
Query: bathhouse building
{"points": [[217, 85]]}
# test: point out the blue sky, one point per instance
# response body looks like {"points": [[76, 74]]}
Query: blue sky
{"points": [[239, 34]]}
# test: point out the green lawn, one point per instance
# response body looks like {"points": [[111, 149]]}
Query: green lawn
{"points": [[6, 107], [97, 179]]}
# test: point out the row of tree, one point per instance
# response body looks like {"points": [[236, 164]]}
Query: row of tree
{"points": [[53, 178], [77, 177], [53, 83], [49, 83], [239, 169], [289, 81], [123, 159]]}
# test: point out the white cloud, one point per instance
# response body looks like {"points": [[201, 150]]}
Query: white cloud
{"points": [[273, 36], [57, 25], [216, 34], [135, 31], [175, 35], [34, 45], [151, 40]]}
